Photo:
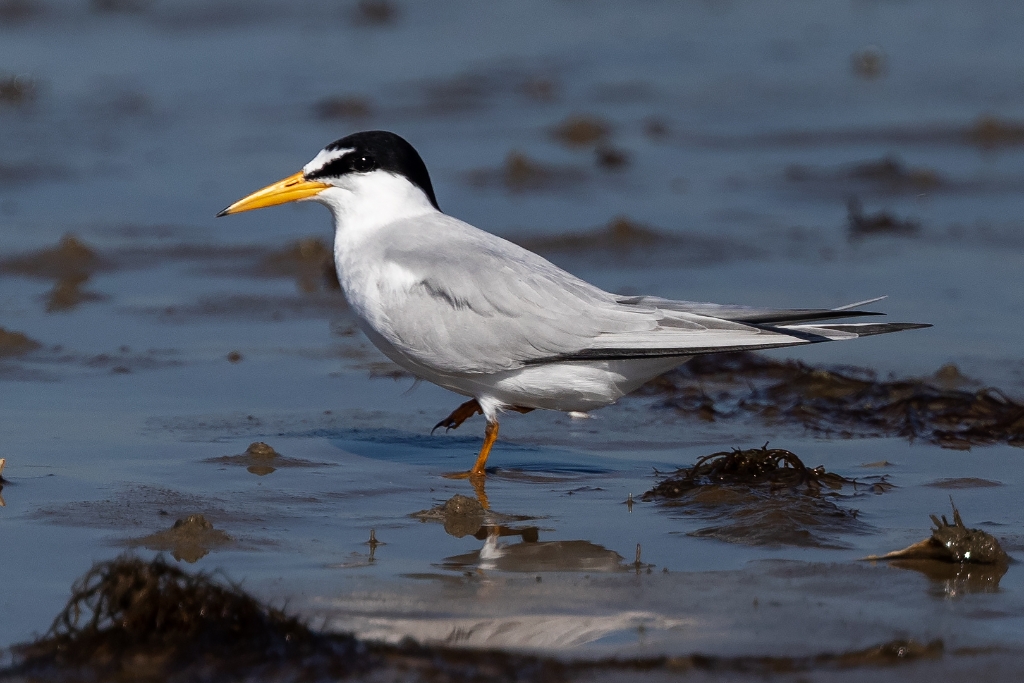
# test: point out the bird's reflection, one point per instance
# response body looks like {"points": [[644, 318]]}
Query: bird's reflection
{"points": [[535, 555], [463, 516]]}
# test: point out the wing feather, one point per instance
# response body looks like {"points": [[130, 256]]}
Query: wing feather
{"points": [[475, 303]]}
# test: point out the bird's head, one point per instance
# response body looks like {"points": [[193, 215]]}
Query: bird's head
{"points": [[372, 166]]}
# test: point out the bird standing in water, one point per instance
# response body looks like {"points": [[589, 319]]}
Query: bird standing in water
{"points": [[485, 318]]}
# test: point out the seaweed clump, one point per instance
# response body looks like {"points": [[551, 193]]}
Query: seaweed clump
{"points": [[16, 343], [764, 496], [957, 559], [189, 539], [131, 619], [774, 466], [261, 459], [846, 403], [953, 543]]}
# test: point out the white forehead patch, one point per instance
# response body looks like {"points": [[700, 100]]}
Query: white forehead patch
{"points": [[325, 156]]}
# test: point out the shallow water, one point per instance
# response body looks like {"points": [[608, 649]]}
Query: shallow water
{"points": [[742, 129]]}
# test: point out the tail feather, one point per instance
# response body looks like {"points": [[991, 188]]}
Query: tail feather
{"points": [[854, 330], [753, 315], [784, 335]]}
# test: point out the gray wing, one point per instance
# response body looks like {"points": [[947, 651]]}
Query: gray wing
{"points": [[480, 304]]}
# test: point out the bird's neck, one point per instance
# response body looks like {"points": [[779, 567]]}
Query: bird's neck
{"points": [[367, 203]]}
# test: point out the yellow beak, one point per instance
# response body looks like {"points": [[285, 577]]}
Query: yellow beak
{"points": [[291, 189]]}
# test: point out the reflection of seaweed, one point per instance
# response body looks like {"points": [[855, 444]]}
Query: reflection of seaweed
{"points": [[951, 580], [763, 496], [850, 403]]}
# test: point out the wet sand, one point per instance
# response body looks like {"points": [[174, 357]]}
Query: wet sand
{"points": [[178, 385]]}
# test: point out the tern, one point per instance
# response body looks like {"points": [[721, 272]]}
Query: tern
{"points": [[488, 319]]}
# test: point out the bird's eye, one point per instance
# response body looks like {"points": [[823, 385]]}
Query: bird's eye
{"points": [[362, 164]]}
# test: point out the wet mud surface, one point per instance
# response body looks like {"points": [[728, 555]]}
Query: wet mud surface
{"points": [[132, 620], [197, 389]]}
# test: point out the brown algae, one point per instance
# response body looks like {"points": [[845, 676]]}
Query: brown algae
{"points": [[888, 175], [956, 560], [520, 173], [343, 107], [763, 496], [189, 539], [261, 459], [310, 261], [131, 619], [844, 403], [989, 132], [70, 265], [16, 344], [862, 224], [620, 234], [581, 130], [952, 543]]}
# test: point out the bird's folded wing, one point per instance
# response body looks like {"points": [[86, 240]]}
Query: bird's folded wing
{"points": [[474, 303], [479, 305]]}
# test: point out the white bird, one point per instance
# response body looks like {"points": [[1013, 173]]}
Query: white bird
{"points": [[485, 318]]}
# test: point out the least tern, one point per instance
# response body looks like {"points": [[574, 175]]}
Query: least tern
{"points": [[487, 319]]}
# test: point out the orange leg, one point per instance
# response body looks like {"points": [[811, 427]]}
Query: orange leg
{"points": [[490, 436], [458, 416], [477, 475], [479, 470]]}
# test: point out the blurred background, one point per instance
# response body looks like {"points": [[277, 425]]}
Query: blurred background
{"points": [[792, 153], [820, 153]]}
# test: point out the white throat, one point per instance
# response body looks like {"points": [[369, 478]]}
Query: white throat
{"points": [[364, 202]]}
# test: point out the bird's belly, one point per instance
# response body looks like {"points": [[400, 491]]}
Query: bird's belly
{"points": [[571, 386], [567, 386]]}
